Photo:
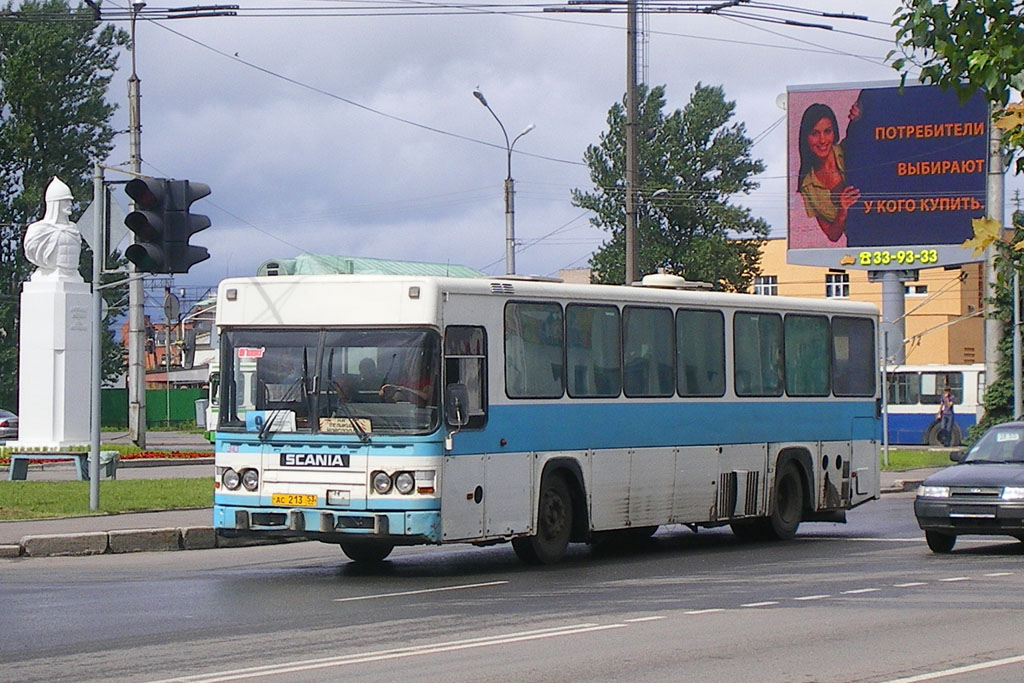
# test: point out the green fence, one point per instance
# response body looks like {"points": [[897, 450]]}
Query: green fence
{"points": [[114, 407]]}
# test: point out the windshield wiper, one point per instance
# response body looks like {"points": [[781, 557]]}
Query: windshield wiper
{"points": [[360, 431], [270, 419]]}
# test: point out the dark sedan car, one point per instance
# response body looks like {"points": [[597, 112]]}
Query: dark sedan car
{"points": [[983, 494], [8, 425]]}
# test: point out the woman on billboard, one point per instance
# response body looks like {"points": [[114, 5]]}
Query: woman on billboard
{"points": [[822, 179]]}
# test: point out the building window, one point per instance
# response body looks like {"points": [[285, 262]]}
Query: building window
{"points": [[766, 285], [837, 286], [916, 290]]}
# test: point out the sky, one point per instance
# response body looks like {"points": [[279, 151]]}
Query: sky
{"points": [[322, 131]]}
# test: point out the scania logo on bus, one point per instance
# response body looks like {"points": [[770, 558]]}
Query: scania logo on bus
{"points": [[314, 460]]}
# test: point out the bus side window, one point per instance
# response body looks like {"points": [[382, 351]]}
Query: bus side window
{"points": [[465, 362]]}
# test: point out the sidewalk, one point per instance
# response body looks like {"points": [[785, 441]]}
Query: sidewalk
{"points": [[179, 529]]}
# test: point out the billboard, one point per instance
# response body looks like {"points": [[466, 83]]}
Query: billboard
{"points": [[883, 179]]}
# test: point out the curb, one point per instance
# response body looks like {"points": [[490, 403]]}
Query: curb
{"points": [[902, 486], [130, 541]]}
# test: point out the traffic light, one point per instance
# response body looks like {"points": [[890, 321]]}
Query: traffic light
{"points": [[163, 224]]}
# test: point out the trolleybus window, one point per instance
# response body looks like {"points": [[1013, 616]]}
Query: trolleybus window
{"points": [[592, 351], [647, 352], [853, 350], [700, 353], [757, 342], [807, 371], [533, 350]]}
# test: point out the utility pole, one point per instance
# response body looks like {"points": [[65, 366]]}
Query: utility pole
{"points": [[136, 311], [631, 160]]}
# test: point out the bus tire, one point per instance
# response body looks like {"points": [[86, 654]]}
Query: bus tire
{"points": [[554, 524], [933, 434], [366, 551], [788, 507], [939, 542]]}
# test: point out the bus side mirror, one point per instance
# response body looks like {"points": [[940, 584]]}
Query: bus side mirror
{"points": [[456, 405]]}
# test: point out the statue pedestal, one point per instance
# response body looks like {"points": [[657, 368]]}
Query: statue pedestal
{"points": [[54, 359]]}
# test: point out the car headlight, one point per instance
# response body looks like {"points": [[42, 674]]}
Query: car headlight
{"points": [[230, 479], [381, 482], [250, 480], [405, 482], [933, 491], [1013, 493]]}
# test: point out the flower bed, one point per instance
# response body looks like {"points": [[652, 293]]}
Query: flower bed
{"points": [[140, 455]]}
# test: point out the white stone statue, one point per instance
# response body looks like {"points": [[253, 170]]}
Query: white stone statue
{"points": [[54, 244]]}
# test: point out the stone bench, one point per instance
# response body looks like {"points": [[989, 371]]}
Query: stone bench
{"points": [[109, 460]]}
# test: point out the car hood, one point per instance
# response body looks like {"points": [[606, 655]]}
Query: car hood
{"points": [[965, 474]]}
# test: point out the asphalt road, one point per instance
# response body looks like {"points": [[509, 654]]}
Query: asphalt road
{"points": [[864, 601]]}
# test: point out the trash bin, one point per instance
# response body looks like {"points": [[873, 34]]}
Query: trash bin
{"points": [[201, 412]]}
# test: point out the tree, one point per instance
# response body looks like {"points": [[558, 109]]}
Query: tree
{"points": [[56, 64], [967, 46], [690, 163]]}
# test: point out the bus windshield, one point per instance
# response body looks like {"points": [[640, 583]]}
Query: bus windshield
{"points": [[351, 381]]}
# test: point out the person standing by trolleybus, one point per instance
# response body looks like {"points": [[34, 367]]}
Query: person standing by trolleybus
{"points": [[945, 417]]}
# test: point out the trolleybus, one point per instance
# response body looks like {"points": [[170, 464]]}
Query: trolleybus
{"points": [[914, 395], [378, 411]]}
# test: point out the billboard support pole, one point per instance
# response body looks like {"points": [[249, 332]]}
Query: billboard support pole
{"points": [[994, 207], [894, 306]]}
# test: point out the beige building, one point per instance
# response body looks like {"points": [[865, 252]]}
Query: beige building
{"points": [[943, 306]]}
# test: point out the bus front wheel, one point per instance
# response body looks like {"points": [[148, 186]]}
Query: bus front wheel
{"points": [[554, 524], [366, 550]]}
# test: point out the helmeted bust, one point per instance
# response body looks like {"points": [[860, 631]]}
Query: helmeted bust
{"points": [[54, 244]]}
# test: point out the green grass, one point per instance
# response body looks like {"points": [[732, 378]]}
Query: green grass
{"points": [[903, 459], [41, 499]]}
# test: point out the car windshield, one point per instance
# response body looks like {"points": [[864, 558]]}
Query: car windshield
{"points": [[354, 381], [1000, 444]]}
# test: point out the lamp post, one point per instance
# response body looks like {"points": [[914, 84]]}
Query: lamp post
{"points": [[510, 193]]}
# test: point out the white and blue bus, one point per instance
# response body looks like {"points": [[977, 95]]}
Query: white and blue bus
{"points": [[913, 401], [375, 411]]}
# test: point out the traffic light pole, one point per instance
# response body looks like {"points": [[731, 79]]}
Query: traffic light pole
{"points": [[99, 252], [136, 293]]}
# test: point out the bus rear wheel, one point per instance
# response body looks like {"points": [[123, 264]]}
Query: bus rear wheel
{"points": [[554, 524], [366, 551], [788, 510]]}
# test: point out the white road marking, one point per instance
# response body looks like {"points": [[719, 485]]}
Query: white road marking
{"points": [[398, 653], [642, 619], [1000, 574], [911, 584], [766, 603], [981, 666], [419, 592], [812, 597], [705, 611], [955, 578], [857, 591]]}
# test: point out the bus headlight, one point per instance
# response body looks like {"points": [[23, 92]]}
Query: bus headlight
{"points": [[405, 482], [381, 482], [250, 480], [230, 479]]}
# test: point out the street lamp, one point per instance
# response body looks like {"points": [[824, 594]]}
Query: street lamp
{"points": [[510, 208]]}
